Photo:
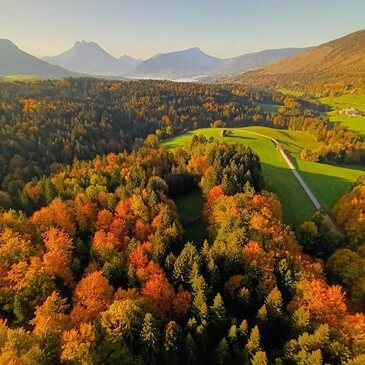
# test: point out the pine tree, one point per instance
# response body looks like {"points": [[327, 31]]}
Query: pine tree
{"points": [[259, 358], [221, 355], [150, 339], [243, 329], [253, 344], [189, 350], [187, 260], [274, 302], [218, 310], [172, 343], [20, 308], [50, 191], [200, 306], [262, 314]]}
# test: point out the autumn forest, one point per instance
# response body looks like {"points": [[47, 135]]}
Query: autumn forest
{"points": [[95, 268]]}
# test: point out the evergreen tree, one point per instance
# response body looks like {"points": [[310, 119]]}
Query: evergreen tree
{"points": [[259, 358], [150, 339], [50, 191], [172, 343], [254, 343], [189, 350], [221, 355], [21, 309]]}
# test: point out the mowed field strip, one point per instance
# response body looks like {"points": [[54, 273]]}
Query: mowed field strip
{"points": [[327, 182]]}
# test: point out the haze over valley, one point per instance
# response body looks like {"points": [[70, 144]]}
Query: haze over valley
{"points": [[88, 58]]}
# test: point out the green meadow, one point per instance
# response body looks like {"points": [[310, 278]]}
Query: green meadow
{"points": [[290, 92], [13, 78], [291, 141], [338, 103], [327, 182], [268, 108], [190, 208]]}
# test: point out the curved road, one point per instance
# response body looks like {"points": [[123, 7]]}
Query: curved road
{"points": [[302, 183]]}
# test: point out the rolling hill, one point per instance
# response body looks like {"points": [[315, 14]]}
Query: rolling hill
{"points": [[14, 61], [90, 58], [339, 63]]}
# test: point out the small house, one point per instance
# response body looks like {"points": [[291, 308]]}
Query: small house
{"points": [[352, 112]]}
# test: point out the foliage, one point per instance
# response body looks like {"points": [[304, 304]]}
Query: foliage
{"points": [[100, 274]]}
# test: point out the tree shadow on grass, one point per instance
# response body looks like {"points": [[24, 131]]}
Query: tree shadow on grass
{"points": [[286, 134], [234, 136], [297, 207], [190, 208]]}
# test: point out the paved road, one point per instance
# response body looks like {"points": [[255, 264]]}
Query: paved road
{"points": [[302, 183]]}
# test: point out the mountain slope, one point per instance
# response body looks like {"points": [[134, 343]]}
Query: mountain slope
{"points": [[339, 63], [182, 64], [241, 64], [14, 61], [90, 58]]}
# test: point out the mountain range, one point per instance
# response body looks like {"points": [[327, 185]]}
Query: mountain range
{"points": [[88, 58], [338, 62], [188, 63]]}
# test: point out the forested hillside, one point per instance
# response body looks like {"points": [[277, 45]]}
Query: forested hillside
{"points": [[333, 67], [99, 273], [44, 124]]}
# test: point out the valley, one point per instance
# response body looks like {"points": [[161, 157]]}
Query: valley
{"points": [[182, 207]]}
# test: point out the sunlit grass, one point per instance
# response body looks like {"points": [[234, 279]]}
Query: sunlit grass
{"points": [[327, 182]]}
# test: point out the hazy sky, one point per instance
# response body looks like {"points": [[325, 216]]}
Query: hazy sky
{"points": [[141, 28]]}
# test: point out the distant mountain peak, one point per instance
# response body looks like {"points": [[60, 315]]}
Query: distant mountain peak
{"points": [[14, 61], [7, 44], [126, 57], [7, 41], [89, 57], [86, 44], [194, 49], [83, 46], [184, 64]]}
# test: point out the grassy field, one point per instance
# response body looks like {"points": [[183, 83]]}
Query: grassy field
{"points": [[291, 141], [338, 103], [290, 92], [278, 178], [190, 208], [13, 78], [327, 182], [268, 108]]}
